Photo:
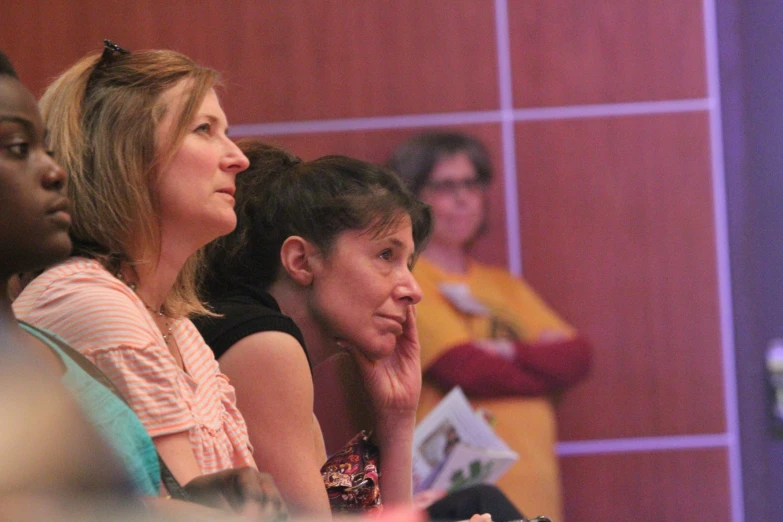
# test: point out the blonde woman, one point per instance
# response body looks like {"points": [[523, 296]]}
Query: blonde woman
{"points": [[152, 172]]}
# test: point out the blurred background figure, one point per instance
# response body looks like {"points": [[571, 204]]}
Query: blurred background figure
{"points": [[483, 329]]}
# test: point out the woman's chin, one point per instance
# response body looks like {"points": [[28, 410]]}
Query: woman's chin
{"points": [[375, 348], [206, 232], [226, 225], [382, 349], [57, 249]]}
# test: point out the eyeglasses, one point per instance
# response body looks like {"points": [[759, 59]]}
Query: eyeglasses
{"points": [[110, 52], [452, 186]]}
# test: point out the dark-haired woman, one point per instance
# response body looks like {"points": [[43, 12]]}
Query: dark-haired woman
{"points": [[321, 258]]}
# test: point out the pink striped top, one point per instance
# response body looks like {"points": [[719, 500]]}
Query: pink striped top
{"points": [[107, 322]]}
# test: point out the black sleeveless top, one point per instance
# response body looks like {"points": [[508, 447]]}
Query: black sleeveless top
{"points": [[243, 312]]}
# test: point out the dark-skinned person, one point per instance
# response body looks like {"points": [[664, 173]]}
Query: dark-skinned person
{"points": [[52, 460]]}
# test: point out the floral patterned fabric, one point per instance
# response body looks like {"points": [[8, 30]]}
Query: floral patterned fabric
{"points": [[351, 477]]}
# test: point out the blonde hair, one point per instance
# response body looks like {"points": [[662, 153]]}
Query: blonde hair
{"points": [[102, 115]]}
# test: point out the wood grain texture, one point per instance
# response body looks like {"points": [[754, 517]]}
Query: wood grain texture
{"points": [[300, 60], [618, 234], [570, 52], [350, 58], [654, 486]]}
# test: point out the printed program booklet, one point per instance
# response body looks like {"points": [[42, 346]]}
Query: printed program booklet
{"points": [[454, 447]]}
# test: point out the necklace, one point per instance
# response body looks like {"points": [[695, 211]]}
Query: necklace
{"points": [[160, 313]]}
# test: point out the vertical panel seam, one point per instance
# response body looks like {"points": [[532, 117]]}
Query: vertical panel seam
{"points": [[723, 262], [511, 199]]}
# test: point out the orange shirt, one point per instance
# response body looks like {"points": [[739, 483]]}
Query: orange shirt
{"points": [[107, 322], [503, 306]]}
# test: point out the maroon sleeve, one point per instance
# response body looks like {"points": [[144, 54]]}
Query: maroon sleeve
{"points": [[482, 374], [562, 362]]}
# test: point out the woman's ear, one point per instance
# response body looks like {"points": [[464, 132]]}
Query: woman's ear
{"points": [[297, 257]]}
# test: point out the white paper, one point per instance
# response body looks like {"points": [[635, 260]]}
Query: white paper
{"points": [[455, 447]]}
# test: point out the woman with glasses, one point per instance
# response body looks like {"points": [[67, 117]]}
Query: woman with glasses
{"points": [[143, 139], [480, 327]]}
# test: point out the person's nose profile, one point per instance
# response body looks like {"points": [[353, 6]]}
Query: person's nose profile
{"points": [[54, 176], [234, 160], [410, 290]]}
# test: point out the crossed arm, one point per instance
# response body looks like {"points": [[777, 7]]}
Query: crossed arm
{"points": [[498, 368]]}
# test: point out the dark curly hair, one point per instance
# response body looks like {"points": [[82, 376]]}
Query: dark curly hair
{"points": [[280, 196]]}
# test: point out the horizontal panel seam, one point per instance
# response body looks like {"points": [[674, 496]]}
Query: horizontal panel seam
{"points": [[467, 118], [644, 444]]}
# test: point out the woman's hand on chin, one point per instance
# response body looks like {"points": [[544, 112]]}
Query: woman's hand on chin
{"points": [[393, 383]]}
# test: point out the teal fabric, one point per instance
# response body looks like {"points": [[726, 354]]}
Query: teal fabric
{"points": [[112, 417]]}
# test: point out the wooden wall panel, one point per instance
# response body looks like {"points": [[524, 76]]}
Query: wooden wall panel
{"points": [[616, 216], [571, 52], [617, 233], [309, 60], [660, 486], [356, 58], [377, 146], [65, 31]]}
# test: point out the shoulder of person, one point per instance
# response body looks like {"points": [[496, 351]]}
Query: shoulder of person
{"points": [[481, 270], [85, 304], [272, 365], [76, 272], [269, 347]]}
